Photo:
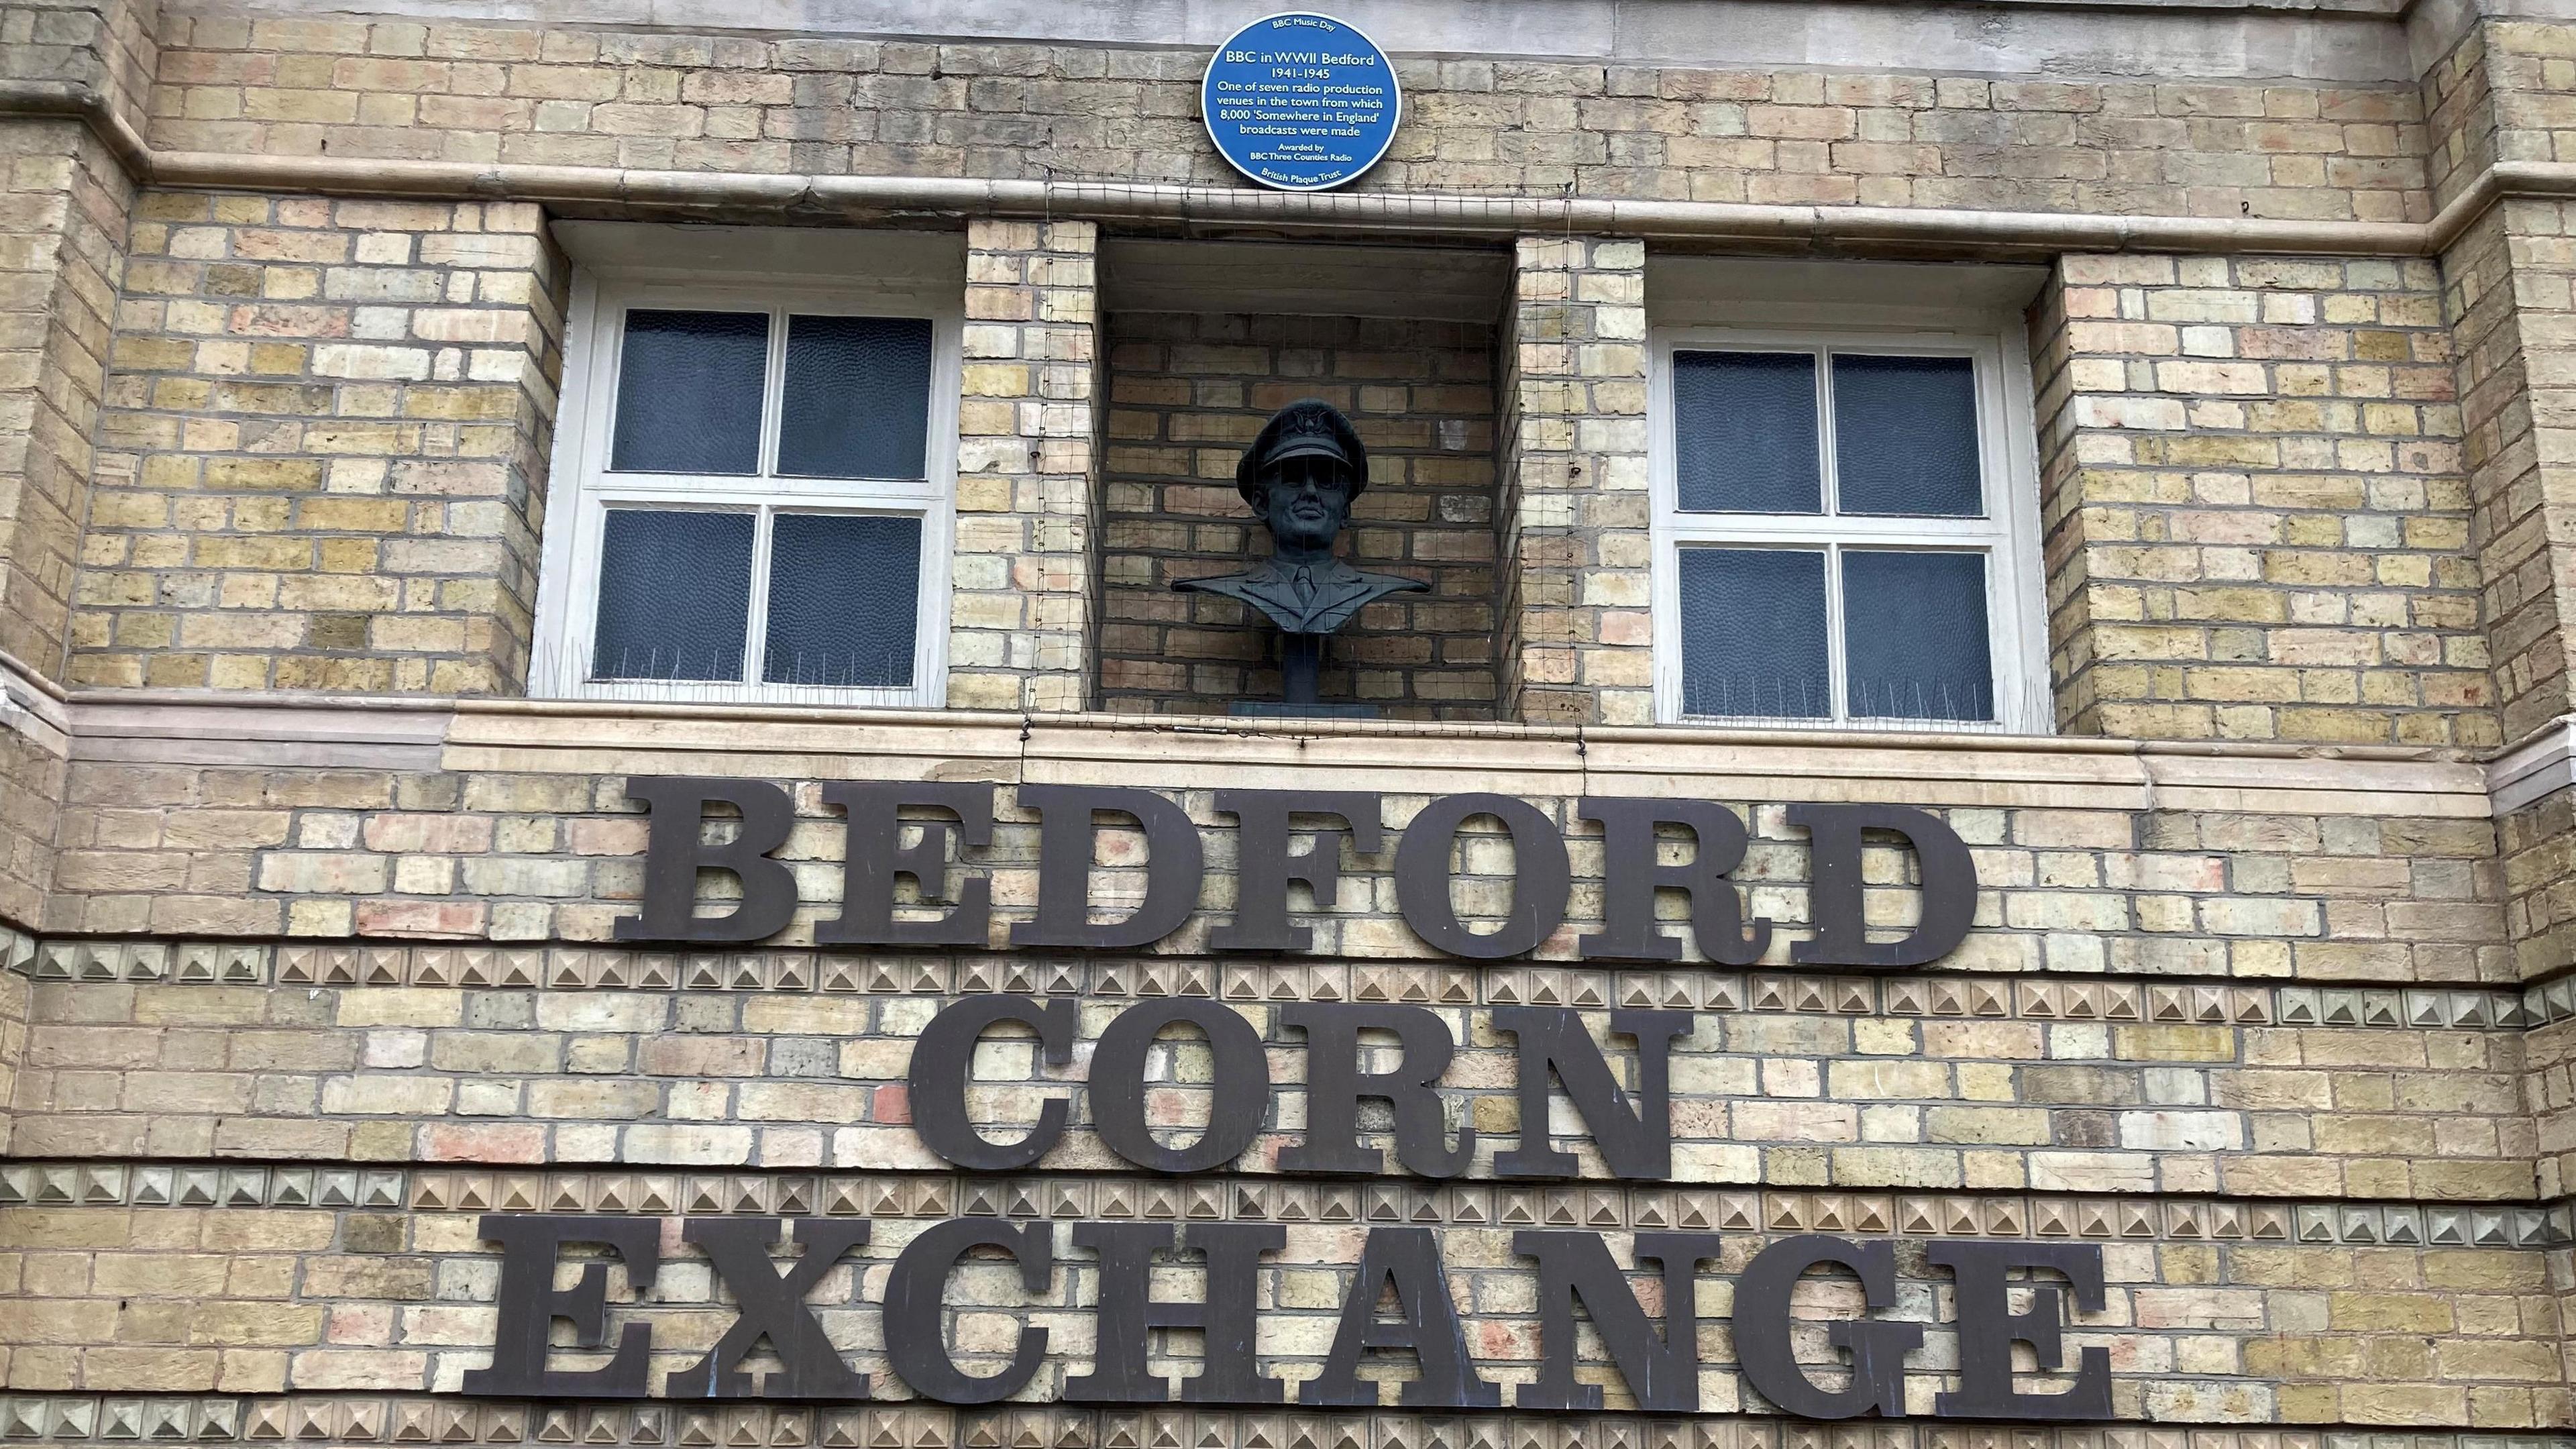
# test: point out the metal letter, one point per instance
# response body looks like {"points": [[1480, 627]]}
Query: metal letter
{"points": [[1241, 1086], [1173, 863], [1408, 1260], [1878, 1349], [528, 1303], [1635, 1142], [1834, 894], [771, 1304], [1335, 1085], [1630, 878], [1988, 1329], [874, 857], [1128, 1312], [916, 1333], [1264, 865], [1541, 877], [1662, 1372], [674, 854], [944, 1054]]}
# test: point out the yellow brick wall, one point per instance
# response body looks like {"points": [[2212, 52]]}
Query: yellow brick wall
{"points": [[62, 238], [2253, 1022], [620, 96], [2252, 490], [1021, 628], [322, 464], [1576, 639]]}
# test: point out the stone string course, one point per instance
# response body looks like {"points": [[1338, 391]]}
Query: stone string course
{"points": [[609, 969], [377, 1419], [1217, 1199]]}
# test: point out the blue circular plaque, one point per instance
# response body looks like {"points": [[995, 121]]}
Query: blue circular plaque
{"points": [[1300, 101]]}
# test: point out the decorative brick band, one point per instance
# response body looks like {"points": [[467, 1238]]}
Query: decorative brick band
{"points": [[583, 968], [377, 1420], [1216, 1199]]}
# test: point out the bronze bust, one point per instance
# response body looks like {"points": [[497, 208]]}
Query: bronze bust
{"points": [[1299, 476]]}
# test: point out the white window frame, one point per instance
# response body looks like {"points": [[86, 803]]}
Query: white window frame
{"points": [[584, 489], [2008, 535]]}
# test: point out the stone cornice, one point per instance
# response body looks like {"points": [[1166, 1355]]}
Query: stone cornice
{"points": [[664, 1190], [2338, 42], [811, 198], [419, 1419], [2535, 768], [365, 964]]}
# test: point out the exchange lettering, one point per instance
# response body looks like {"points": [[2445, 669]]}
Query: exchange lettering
{"points": [[1659, 1366]]}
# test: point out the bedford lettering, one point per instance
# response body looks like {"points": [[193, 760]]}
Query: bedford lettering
{"points": [[1659, 1365], [1267, 823]]}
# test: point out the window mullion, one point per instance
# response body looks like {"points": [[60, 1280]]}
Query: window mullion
{"points": [[1837, 660], [773, 392], [755, 662], [1826, 472]]}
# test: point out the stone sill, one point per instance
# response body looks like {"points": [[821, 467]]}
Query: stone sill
{"points": [[92, 708], [1939, 770]]}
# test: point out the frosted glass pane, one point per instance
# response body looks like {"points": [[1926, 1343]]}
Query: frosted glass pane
{"points": [[857, 403], [674, 595], [1753, 633], [844, 599], [1745, 432], [1915, 627], [688, 392], [1905, 435]]}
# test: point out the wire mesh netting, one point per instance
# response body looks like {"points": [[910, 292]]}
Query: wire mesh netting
{"points": [[1807, 703], [674, 675]]}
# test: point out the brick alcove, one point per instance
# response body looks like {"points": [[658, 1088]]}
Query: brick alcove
{"points": [[1205, 340]]}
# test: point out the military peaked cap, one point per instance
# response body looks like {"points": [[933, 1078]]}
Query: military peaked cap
{"points": [[1309, 427]]}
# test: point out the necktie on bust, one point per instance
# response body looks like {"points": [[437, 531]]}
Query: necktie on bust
{"points": [[1305, 582]]}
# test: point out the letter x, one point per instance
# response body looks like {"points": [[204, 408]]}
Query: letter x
{"points": [[772, 1304]]}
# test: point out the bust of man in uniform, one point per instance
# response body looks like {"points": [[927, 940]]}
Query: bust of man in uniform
{"points": [[1300, 475]]}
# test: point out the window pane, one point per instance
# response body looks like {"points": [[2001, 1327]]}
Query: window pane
{"points": [[1915, 626], [688, 392], [674, 595], [844, 599], [857, 403], [1905, 435], [1745, 432], [1753, 633]]}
